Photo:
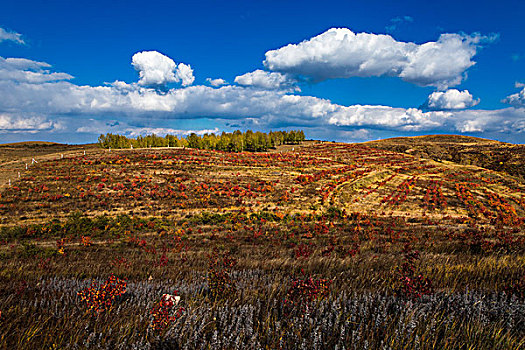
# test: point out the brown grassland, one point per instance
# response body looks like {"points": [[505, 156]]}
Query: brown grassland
{"points": [[385, 245]]}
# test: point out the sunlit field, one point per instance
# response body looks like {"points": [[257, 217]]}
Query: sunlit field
{"points": [[315, 246]]}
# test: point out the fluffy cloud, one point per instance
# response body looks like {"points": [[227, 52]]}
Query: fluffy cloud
{"points": [[508, 120], [134, 131], [411, 119], [156, 69], [42, 102], [23, 64], [450, 99], [10, 123], [266, 80], [356, 135], [517, 99], [341, 53], [253, 107], [10, 36], [97, 127], [216, 82], [28, 71], [184, 74]]}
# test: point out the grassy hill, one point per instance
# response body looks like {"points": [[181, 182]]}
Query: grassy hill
{"points": [[489, 154], [322, 245], [21, 150]]}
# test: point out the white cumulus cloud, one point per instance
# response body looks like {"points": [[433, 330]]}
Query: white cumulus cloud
{"points": [[57, 104], [341, 53], [263, 108], [266, 80], [356, 135], [136, 131], [411, 119], [23, 124], [6, 35], [156, 69], [184, 74], [216, 82], [102, 127], [517, 99], [508, 120], [450, 99], [28, 71]]}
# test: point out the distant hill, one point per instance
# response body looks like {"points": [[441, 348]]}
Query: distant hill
{"points": [[28, 144], [18, 150], [489, 154]]}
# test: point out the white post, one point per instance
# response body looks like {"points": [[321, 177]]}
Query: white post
{"points": [[9, 182], [84, 152], [61, 156], [18, 174], [26, 166], [131, 146]]}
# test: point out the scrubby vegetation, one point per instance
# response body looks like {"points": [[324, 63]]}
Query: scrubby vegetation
{"points": [[493, 155], [329, 246]]}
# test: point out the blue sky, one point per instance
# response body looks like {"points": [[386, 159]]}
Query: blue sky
{"points": [[338, 85]]}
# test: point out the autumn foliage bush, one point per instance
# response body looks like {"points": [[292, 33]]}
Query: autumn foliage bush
{"points": [[164, 312], [100, 298], [303, 292], [411, 284]]}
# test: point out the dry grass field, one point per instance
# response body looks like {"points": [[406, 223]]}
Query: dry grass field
{"points": [[489, 154], [317, 246]]}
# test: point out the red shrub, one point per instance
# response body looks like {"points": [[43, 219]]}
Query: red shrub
{"points": [[163, 312], [101, 298], [303, 292], [410, 284]]}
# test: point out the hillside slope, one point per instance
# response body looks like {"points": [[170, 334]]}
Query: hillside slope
{"points": [[489, 154], [18, 150], [313, 177]]}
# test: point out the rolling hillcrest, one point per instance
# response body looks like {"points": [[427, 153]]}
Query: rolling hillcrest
{"points": [[489, 154]]}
